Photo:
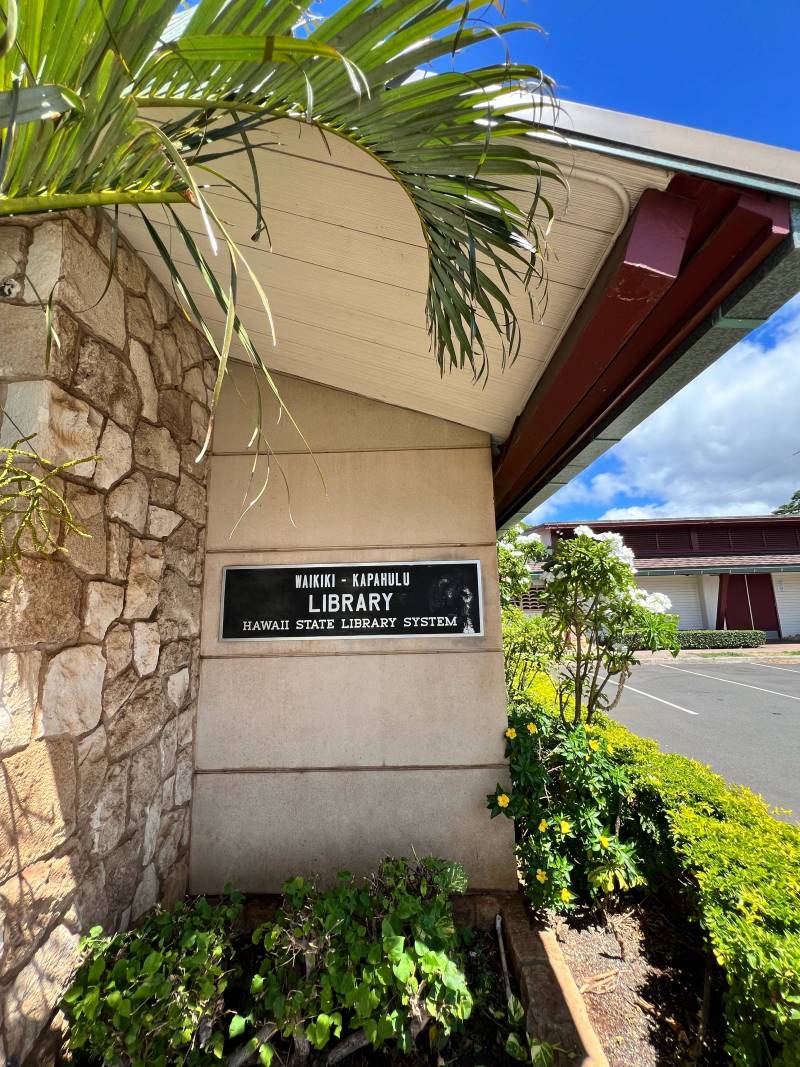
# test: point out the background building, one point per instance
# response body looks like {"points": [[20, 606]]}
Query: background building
{"points": [[720, 574]]}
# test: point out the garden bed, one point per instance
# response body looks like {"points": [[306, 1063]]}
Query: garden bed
{"points": [[641, 972], [482, 1039], [395, 967]]}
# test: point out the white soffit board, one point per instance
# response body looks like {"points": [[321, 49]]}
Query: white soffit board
{"points": [[347, 273]]}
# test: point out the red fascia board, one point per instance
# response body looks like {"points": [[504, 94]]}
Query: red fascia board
{"points": [[562, 415], [752, 227], [643, 265]]}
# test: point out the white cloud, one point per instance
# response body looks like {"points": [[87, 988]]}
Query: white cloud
{"points": [[726, 444]]}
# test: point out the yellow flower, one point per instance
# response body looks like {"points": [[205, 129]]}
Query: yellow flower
{"points": [[610, 750], [603, 841], [511, 733], [533, 728], [566, 895], [594, 745], [565, 826], [542, 826], [503, 800], [541, 876]]}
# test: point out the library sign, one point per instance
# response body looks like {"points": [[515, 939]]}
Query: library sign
{"points": [[340, 600]]}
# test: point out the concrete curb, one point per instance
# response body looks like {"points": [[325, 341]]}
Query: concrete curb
{"points": [[556, 1011]]}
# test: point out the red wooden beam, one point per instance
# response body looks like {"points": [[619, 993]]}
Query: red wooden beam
{"points": [[641, 268], [682, 253]]}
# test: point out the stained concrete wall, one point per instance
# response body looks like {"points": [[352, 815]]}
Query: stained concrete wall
{"points": [[99, 656], [318, 755]]}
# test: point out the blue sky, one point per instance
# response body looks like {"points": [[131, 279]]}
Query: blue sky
{"points": [[726, 444], [728, 66]]}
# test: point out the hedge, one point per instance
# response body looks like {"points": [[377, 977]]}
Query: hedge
{"points": [[721, 638], [744, 874]]}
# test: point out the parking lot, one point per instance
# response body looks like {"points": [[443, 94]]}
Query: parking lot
{"points": [[741, 716]]}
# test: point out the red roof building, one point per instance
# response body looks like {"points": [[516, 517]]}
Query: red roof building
{"points": [[736, 573]]}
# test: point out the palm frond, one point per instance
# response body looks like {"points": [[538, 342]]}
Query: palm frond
{"points": [[455, 141]]}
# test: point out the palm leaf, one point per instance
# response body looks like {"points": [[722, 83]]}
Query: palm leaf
{"points": [[456, 142]]}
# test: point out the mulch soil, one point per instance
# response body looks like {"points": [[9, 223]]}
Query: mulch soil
{"points": [[642, 975]]}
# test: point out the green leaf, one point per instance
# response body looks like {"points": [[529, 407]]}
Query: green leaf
{"points": [[265, 1054], [515, 1050], [237, 1026], [393, 947], [403, 968], [240, 47], [152, 963], [318, 1031], [36, 103]]}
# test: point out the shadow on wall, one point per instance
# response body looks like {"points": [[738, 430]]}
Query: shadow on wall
{"points": [[99, 656]]}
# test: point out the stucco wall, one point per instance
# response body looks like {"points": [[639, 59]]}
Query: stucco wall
{"points": [[99, 645], [318, 755], [787, 598]]}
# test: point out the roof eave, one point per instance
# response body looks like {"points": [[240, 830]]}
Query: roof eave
{"points": [[731, 303]]}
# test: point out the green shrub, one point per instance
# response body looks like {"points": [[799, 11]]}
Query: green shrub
{"points": [[371, 961], [745, 868], [675, 818], [527, 648], [721, 638], [377, 959], [569, 800], [155, 996]]}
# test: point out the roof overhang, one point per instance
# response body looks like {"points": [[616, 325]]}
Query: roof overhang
{"points": [[669, 247], [698, 267]]}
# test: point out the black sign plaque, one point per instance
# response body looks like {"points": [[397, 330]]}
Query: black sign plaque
{"points": [[352, 600]]}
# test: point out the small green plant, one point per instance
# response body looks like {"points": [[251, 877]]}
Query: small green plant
{"points": [[519, 1045], [362, 963], [570, 801], [154, 997]]}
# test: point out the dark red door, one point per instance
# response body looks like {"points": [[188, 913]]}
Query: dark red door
{"points": [[750, 603], [762, 602]]}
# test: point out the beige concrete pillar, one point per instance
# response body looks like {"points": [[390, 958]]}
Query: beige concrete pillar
{"points": [[318, 755]]}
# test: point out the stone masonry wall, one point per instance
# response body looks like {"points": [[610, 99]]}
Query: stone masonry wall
{"points": [[99, 657]]}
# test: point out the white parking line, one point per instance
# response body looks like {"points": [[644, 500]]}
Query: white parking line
{"points": [[716, 678], [659, 699], [772, 667]]}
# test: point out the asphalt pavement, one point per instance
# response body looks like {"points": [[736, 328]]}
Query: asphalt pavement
{"points": [[740, 716]]}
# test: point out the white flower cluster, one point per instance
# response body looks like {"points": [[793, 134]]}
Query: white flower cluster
{"points": [[617, 545], [530, 538], [656, 602]]}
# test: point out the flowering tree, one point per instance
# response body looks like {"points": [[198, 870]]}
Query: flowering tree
{"points": [[569, 798], [518, 549], [601, 619], [527, 642]]}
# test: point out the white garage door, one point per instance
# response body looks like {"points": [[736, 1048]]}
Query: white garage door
{"points": [[684, 592], [787, 597]]}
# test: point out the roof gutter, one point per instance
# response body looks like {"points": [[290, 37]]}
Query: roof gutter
{"points": [[770, 568], [668, 161]]}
